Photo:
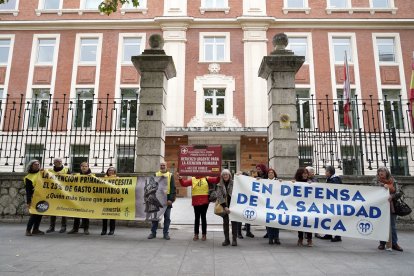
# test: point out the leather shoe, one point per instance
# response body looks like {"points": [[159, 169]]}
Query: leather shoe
{"points": [[85, 231], [151, 236], [103, 233], [234, 243], [336, 239], [37, 232], [249, 234], [111, 233], [73, 231], [240, 236], [63, 229], [50, 230], [225, 243], [28, 233], [381, 246], [277, 241], [203, 237], [397, 247]]}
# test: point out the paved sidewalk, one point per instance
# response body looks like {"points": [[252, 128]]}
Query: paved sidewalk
{"points": [[129, 252]]}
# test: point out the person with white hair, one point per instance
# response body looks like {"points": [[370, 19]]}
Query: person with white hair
{"points": [[311, 174], [58, 168], [224, 191]]}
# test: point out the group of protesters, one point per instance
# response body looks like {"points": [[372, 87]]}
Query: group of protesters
{"points": [[201, 187]]}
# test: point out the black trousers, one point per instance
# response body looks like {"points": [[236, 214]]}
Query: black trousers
{"points": [[53, 221], [105, 225], [200, 211], [76, 223], [34, 222]]}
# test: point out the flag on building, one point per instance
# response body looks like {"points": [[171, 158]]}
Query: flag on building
{"points": [[347, 95], [412, 95]]}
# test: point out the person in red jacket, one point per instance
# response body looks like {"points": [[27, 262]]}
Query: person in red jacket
{"points": [[200, 201]]}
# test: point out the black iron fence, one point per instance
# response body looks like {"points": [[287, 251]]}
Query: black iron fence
{"points": [[381, 134], [103, 131]]}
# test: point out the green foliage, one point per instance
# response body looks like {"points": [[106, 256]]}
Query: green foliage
{"points": [[106, 6], [110, 6]]}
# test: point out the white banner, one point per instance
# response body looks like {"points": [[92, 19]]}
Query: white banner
{"points": [[336, 209]]}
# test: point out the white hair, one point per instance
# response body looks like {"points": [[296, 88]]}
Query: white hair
{"points": [[225, 171], [310, 169]]}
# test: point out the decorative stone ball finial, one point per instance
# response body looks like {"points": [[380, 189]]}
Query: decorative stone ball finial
{"points": [[156, 42], [280, 41]]}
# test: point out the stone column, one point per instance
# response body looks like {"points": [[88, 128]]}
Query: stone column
{"points": [[155, 68], [279, 69]]}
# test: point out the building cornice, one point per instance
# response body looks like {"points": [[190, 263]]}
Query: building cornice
{"points": [[190, 22]]}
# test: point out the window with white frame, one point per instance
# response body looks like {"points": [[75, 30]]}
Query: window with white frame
{"points": [[214, 101], [4, 50], [386, 49], [39, 108], [380, 4], [79, 154], [214, 4], [9, 5], [303, 108], [129, 5], [129, 108], [51, 4], [131, 47], [45, 50], [393, 113], [91, 4], [298, 4], [125, 158], [34, 151], [88, 50], [84, 108], [299, 45], [340, 45], [215, 47], [339, 4]]}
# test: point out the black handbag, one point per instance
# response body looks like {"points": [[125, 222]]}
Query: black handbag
{"points": [[401, 208]]}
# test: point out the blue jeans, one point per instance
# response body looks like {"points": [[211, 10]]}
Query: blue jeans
{"points": [[167, 222]]}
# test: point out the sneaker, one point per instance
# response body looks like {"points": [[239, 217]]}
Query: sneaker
{"points": [[381, 246], [250, 235], [37, 232], [397, 248], [151, 236], [166, 237], [50, 230]]}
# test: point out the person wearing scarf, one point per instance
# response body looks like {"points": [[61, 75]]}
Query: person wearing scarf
{"points": [[224, 191], [384, 179]]}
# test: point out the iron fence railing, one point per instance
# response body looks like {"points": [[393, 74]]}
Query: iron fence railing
{"points": [[381, 134], [103, 131]]}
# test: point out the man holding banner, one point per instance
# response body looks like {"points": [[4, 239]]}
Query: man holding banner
{"points": [[171, 193]]}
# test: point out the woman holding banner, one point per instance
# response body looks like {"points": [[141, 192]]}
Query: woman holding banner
{"points": [[32, 169], [224, 191], [110, 173], [200, 201], [384, 179], [272, 232], [85, 170], [302, 176]]}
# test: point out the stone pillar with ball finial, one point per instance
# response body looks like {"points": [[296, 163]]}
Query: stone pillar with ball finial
{"points": [[279, 69], [155, 68]]}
